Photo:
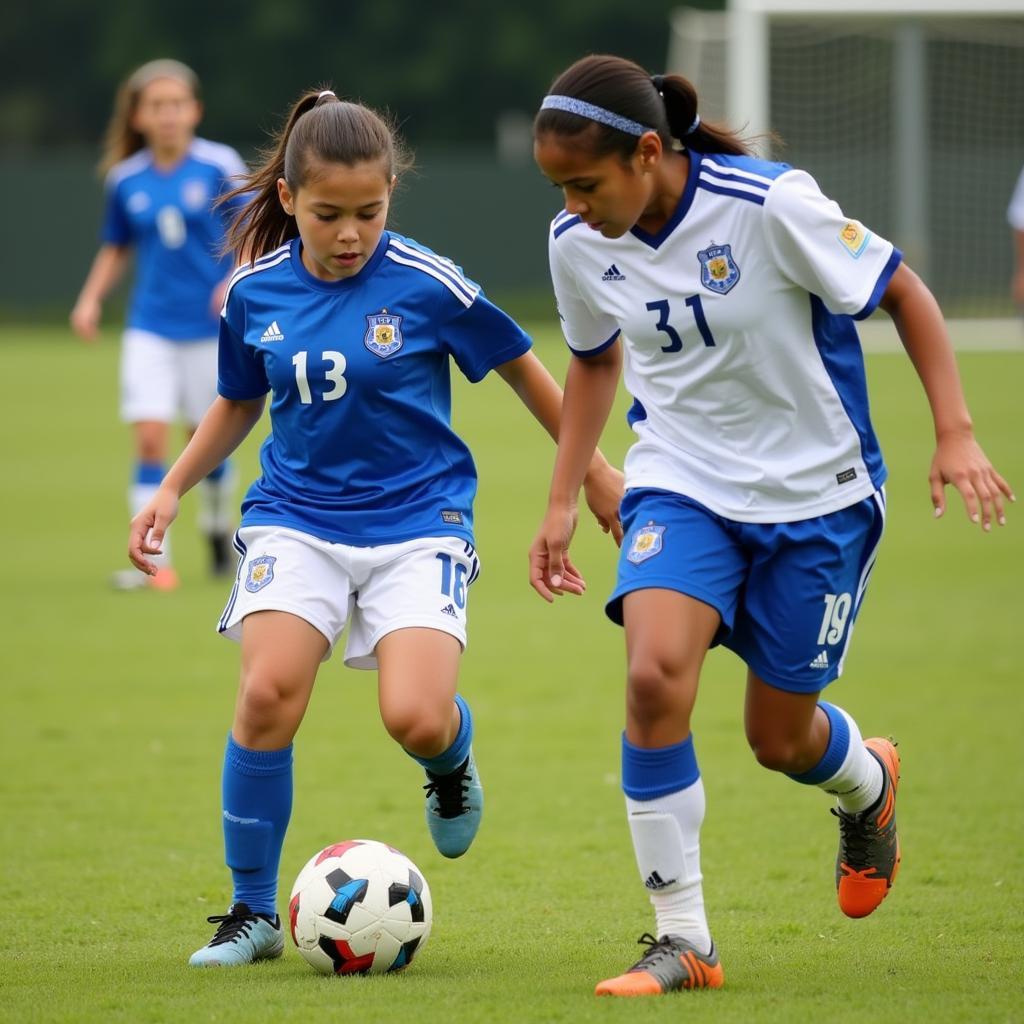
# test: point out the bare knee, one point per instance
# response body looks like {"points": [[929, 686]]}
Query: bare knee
{"points": [[269, 705], [422, 731], [654, 690]]}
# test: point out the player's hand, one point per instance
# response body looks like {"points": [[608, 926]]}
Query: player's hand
{"points": [[959, 461], [85, 319], [146, 533], [551, 570], [603, 487]]}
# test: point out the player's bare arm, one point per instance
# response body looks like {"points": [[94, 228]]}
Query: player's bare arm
{"points": [[224, 427], [959, 459]]}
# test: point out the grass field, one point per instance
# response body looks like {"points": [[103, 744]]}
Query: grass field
{"points": [[116, 708]]}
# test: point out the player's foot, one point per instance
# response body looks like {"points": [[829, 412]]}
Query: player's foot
{"points": [[669, 965], [242, 937], [869, 848], [455, 804], [131, 579], [223, 558]]}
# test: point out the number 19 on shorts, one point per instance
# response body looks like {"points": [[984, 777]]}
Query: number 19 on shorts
{"points": [[833, 622]]}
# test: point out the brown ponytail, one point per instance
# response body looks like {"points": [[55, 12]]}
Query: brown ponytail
{"points": [[320, 128], [666, 103], [121, 140]]}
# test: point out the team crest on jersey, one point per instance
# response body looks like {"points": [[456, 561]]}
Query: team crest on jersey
{"points": [[195, 194], [260, 574], [718, 270], [647, 542], [854, 238], [383, 334]]}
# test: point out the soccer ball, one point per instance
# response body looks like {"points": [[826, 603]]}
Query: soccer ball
{"points": [[360, 907]]}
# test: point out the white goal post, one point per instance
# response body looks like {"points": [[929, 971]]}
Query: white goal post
{"points": [[909, 112]]}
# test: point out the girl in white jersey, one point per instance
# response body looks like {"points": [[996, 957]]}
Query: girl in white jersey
{"points": [[362, 515], [728, 286], [162, 184]]}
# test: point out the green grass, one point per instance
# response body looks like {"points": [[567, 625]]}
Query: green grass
{"points": [[116, 707]]}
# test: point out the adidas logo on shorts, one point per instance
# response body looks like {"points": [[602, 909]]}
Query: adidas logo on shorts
{"points": [[450, 610], [821, 661]]}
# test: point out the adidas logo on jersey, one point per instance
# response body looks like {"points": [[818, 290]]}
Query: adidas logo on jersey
{"points": [[449, 609], [821, 661], [655, 881], [272, 333], [612, 274]]}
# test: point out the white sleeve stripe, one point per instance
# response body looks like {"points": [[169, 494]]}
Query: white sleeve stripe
{"points": [[245, 271], [127, 167], [739, 186], [426, 269], [735, 171], [258, 263], [446, 267]]}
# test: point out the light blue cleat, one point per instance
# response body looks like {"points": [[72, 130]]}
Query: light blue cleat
{"points": [[242, 937], [455, 804]]}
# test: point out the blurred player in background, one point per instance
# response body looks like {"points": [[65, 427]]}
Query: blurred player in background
{"points": [[363, 512], [1015, 215], [162, 184], [754, 503]]}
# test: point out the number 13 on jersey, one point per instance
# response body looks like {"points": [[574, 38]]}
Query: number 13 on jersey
{"points": [[334, 375]]}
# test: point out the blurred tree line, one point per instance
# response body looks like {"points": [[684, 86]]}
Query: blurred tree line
{"points": [[447, 69]]}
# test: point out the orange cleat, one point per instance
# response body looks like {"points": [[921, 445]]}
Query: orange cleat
{"points": [[669, 965], [869, 848]]}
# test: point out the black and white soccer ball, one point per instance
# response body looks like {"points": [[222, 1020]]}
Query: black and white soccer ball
{"points": [[360, 907]]}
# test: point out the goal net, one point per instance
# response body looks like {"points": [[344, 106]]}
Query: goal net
{"points": [[910, 113]]}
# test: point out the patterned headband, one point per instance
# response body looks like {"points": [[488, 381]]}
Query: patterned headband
{"points": [[571, 105]]}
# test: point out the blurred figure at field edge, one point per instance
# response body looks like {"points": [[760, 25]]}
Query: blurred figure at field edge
{"points": [[754, 499], [162, 186], [363, 513], [1015, 216]]}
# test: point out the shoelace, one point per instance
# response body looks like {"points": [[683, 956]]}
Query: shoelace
{"points": [[858, 833], [237, 921], [451, 790], [657, 949]]}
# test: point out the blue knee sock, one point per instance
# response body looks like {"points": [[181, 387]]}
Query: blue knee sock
{"points": [[257, 800], [448, 760], [652, 772]]}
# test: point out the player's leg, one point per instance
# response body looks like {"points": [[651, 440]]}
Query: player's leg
{"points": [[280, 657], [409, 622], [198, 386], [288, 606], [799, 607], [147, 403], [678, 576], [433, 724], [667, 637]]}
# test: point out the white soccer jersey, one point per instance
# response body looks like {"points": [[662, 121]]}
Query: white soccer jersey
{"points": [[740, 348]]}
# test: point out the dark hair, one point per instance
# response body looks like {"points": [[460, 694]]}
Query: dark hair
{"points": [[668, 107], [121, 139], [319, 129]]}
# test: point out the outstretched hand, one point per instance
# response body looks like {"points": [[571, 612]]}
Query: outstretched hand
{"points": [[146, 533], [960, 461], [551, 570]]}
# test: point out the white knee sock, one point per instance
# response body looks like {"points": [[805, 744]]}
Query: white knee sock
{"points": [[666, 840], [217, 502], [858, 781]]}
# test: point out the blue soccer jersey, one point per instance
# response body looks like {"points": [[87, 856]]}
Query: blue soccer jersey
{"points": [[361, 449], [169, 218]]}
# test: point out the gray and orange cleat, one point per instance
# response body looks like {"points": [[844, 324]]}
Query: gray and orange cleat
{"points": [[669, 965], [869, 848]]}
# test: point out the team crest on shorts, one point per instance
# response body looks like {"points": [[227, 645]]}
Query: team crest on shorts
{"points": [[646, 543], [718, 270], [260, 574], [383, 334]]}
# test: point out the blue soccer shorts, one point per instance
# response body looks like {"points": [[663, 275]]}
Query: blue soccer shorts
{"points": [[788, 593]]}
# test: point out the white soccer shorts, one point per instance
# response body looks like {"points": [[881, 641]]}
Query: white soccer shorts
{"points": [[374, 590], [163, 379]]}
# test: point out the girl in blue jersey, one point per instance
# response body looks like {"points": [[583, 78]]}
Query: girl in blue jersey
{"points": [[363, 513], [754, 501], [162, 184]]}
